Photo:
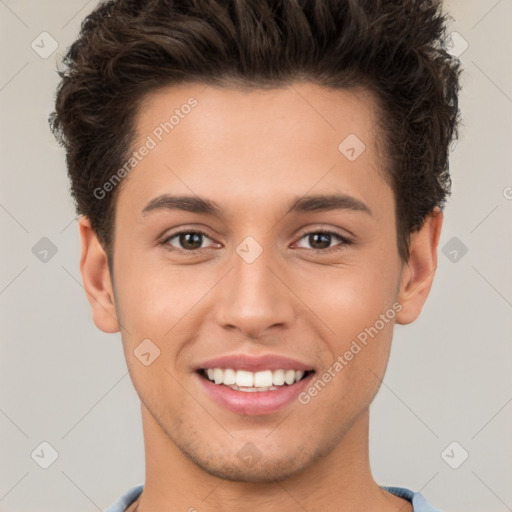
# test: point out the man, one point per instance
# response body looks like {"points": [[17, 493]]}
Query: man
{"points": [[261, 188]]}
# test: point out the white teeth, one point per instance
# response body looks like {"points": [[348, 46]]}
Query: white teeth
{"points": [[229, 377], [263, 379], [243, 380], [218, 376], [289, 376], [278, 377]]}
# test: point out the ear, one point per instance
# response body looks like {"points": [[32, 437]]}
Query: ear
{"points": [[418, 273], [96, 279]]}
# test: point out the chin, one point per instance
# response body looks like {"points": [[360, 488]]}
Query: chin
{"points": [[262, 471]]}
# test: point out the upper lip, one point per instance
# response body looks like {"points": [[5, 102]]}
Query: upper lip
{"points": [[254, 364]]}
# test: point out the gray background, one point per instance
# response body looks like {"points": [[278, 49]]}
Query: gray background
{"points": [[66, 383]]}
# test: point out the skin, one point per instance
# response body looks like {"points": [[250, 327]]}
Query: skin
{"points": [[254, 153]]}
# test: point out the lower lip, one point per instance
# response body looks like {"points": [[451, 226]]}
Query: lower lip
{"points": [[257, 402]]}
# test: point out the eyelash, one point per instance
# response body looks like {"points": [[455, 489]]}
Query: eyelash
{"points": [[344, 241]]}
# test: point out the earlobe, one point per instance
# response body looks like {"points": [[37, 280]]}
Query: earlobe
{"points": [[96, 279], [418, 273]]}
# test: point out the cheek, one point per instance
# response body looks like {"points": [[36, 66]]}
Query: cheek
{"points": [[152, 295], [154, 304], [357, 307], [162, 304], [362, 341], [350, 298], [354, 357]]}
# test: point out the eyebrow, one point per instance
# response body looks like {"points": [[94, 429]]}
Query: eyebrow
{"points": [[314, 203]]}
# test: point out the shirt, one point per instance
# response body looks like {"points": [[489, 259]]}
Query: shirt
{"points": [[419, 503]]}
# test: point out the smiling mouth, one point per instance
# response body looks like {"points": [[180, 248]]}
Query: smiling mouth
{"points": [[250, 382]]}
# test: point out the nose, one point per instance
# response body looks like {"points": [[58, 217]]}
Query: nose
{"points": [[254, 297]]}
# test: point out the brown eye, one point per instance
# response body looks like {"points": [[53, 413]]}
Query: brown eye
{"points": [[186, 240], [321, 240]]}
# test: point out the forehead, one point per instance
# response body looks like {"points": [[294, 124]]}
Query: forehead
{"points": [[257, 143], [302, 112]]}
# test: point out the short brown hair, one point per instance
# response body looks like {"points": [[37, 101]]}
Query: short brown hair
{"points": [[127, 49]]}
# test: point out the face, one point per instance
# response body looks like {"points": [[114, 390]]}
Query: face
{"points": [[278, 263]]}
